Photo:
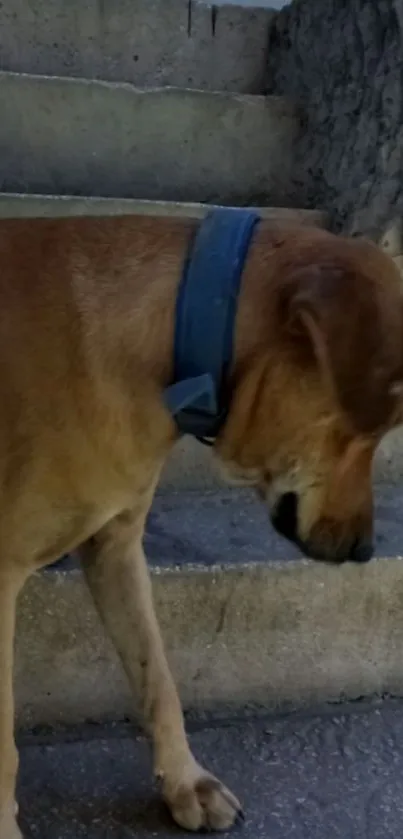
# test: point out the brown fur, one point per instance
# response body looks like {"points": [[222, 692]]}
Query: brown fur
{"points": [[86, 340]]}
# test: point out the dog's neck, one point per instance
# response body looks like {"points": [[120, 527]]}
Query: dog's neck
{"points": [[135, 308]]}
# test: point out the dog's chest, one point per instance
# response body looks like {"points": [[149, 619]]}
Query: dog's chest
{"points": [[69, 532]]}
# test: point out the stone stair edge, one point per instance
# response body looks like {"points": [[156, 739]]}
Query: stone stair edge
{"points": [[284, 635], [150, 207], [142, 90], [274, 632]]}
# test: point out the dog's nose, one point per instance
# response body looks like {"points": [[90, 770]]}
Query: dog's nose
{"points": [[362, 551], [285, 516]]}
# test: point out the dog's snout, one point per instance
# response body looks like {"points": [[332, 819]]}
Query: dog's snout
{"points": [[324, 542], [362, 550], [285, 516]]}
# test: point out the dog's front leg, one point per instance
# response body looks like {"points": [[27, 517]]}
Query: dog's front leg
{"points": [[10, 584], [118, 577]]}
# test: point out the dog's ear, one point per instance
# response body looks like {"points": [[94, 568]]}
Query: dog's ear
{"points": [[354, 334]]}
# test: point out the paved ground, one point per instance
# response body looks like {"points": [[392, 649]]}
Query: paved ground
{"points": [[325, 777]]}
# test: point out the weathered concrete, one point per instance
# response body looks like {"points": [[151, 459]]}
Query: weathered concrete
{"points": [[148, 43], [244, 619], [319, 777], [341, 62], [76, 137], [14, 205]]}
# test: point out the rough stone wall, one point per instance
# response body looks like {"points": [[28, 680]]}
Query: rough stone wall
{"points": [[342, 61]]}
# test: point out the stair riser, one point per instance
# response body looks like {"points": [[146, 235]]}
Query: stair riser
{"points": [[149, 42], [278, 634], [18, 205], [63, 136]]}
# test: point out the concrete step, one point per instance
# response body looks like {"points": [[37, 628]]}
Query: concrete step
{"points": [[14, 205], [333, 775], [149, 42], [244, 617], [79, 137]]}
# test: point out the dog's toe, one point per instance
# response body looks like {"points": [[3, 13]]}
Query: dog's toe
{"points": [[206, 804]]}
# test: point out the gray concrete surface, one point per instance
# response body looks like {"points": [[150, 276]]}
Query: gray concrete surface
{"points": [[321, 777], [67, 136], [148, 43], [52, 206], [245, 619]]}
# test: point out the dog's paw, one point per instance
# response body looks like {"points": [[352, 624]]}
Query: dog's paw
{"points": [[202, 803]]}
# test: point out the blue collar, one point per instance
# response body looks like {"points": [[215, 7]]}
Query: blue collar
{"points": [[205, 319]]}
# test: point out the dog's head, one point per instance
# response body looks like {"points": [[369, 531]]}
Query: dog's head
{"points": [[314, 396]]}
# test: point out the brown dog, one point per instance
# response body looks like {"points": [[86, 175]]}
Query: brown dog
{"points": [[86, 338]]}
